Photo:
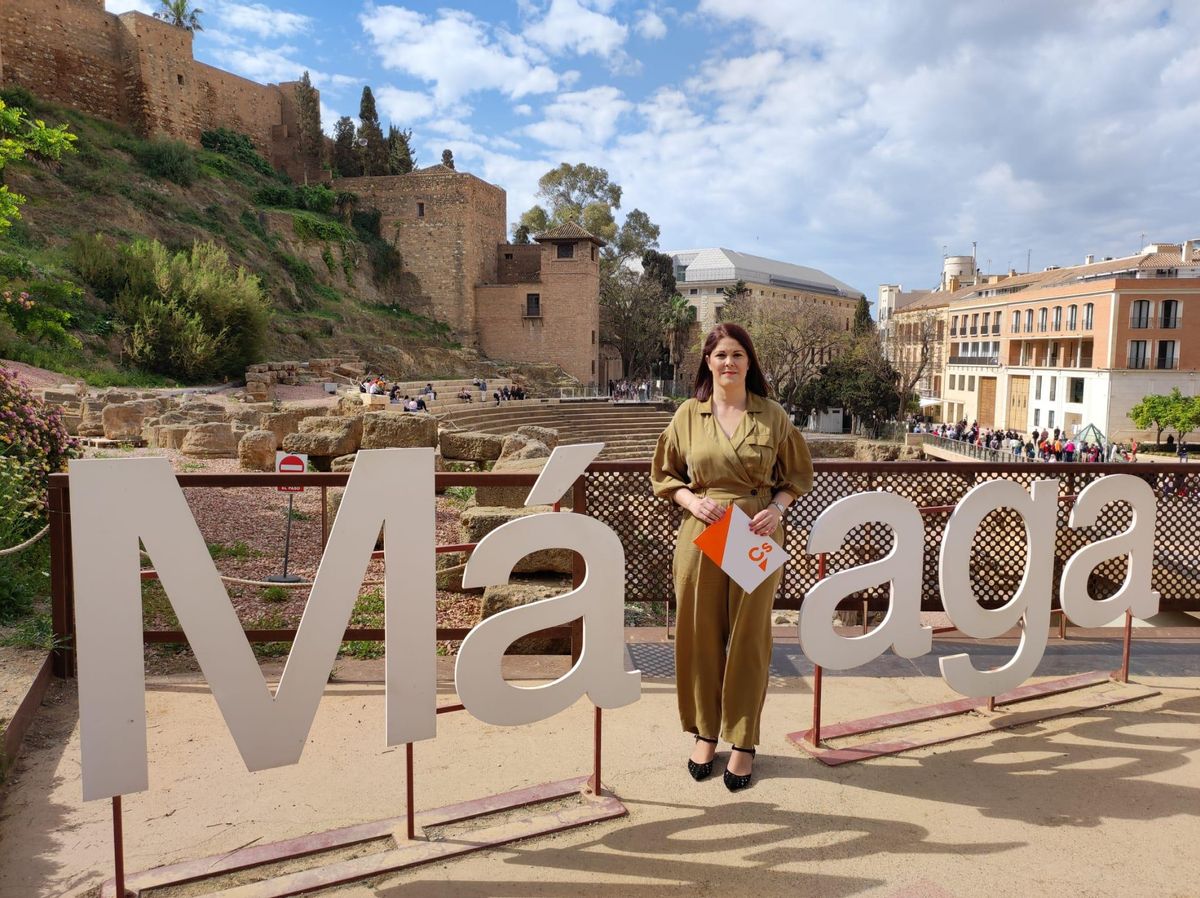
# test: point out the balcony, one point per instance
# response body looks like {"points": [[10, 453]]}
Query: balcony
{"points": [[973, 331], [1163, 364], [995, 330], [992, 360]]}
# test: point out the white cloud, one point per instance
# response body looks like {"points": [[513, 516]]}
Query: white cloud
{"points": [[403, 105], [455, 52], [523, 109], [580, 120], [650, 25], [571, 26], [260, 19], [119, 6], [271, 65]]}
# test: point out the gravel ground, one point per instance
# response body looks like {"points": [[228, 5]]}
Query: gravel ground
{"points": [[244, 529]]}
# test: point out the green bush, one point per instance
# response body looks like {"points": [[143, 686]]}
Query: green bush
{"points": [[275, 195], [367, 224], [310, 227], [172, 160], [236, 146], [190, 315], [98, 261], [315, 198], [13, 266], [15, 95]]}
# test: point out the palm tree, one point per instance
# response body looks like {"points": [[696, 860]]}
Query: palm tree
{"points": [[678, 320], [179, 14]]}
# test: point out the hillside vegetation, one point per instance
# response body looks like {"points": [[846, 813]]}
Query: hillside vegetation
{"points": [[126, 265]]}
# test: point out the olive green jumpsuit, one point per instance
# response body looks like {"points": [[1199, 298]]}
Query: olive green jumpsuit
{"points": [[723, 639]]}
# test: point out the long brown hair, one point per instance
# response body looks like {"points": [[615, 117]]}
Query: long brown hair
{"points": [[756, 381]]}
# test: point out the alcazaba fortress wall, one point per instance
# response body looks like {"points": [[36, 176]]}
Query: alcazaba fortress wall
{"points": [[522, 303]]}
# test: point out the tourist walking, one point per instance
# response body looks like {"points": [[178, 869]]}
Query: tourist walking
{"points": [[729, 444]]}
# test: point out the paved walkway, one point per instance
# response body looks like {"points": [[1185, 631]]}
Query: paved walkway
{"points": [[1100, 803]]}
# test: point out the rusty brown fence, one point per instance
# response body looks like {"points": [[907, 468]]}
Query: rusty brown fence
{"points": [[618, 493]]}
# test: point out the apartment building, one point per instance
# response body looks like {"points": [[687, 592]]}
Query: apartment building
{"points": [[1067, 347]]}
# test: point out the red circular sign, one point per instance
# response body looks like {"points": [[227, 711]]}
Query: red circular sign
{"points": [[290, 464]]}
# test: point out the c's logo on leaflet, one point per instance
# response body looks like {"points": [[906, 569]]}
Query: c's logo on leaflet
{"points": [[758, 554]]}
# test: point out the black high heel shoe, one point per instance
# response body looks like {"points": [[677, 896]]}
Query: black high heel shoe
{"points": [[733, 781], [701, 771]]}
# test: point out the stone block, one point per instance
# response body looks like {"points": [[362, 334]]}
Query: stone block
{"points": [[124, 421], [256, 450], [171, 436], [547, 436], [517, 446], [342, 464], [287, 419], [398, 430], [517, 594], [211, 439], [468, 445], [481, 520], [328, 437]]}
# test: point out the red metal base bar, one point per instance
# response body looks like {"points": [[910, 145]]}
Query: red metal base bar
{"points": [[972, 726], [592, 809]]}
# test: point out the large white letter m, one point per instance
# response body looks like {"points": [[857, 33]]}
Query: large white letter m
{"points": [[116, 502]]}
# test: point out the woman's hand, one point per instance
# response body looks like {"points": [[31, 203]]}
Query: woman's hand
{"points": [[765, 522], [707, 510]]}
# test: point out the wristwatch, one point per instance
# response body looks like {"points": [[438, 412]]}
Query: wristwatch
{"points": [[782, 509]]}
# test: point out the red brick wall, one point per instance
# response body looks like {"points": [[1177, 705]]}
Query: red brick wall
{"points": [[567, 333], [446, 225], [137, 71]]}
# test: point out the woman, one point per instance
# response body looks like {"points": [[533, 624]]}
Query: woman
{"points": [[729, 444]]}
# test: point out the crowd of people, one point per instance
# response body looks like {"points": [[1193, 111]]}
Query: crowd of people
{"points": [[1038, 445], [629, 390], [376, 385]]}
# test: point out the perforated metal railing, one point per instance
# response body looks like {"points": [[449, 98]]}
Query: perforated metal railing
{"points": [[619, 494]]}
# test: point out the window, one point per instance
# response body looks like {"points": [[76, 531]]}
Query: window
{"points": [[1041, 319], [1029, 321], [1037, 417], [566, 251], [1137, 353], [974, 324], [1139, 314], [1037, 387], [533, 305], [954, 326], [593, 366], [1053, 386], [987, 316], [1087, 316], [1058, 318], [1170, 314], [693, 291], [593, 338], [1166, 355], [593, 252], [420, 210], [971, 382], [508, 257], [1050, 418], [1074, 389], [180, 79], [1072, 317], [1016, 322], [1052, 361]]}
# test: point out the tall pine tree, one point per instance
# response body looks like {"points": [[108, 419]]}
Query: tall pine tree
{"points": [[400, 155], [310, 141], [346, 161], [375, 150]]}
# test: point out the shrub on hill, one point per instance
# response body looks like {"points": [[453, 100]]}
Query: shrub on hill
{"points": [[310, 197], [236, 146], [189, 315], [168, 159]]}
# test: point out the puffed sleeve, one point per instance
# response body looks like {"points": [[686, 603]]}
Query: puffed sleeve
{"points": [[669, 470], [793, 470]]}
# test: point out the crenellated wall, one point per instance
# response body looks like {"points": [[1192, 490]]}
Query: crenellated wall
{"points": [[140, 72]]}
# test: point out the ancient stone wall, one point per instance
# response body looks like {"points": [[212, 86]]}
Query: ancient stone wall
{"points": [[138, 71], [565, 331], [67, 51], [518, 264], [446, 225]]}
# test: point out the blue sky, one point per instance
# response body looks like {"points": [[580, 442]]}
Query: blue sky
{"points": [[861, 138]]}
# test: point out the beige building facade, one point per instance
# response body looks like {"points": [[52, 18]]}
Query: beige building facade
{"points": [[1067, 347]]}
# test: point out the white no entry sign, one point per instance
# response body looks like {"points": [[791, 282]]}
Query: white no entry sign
{"points": [[290, 463]]}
